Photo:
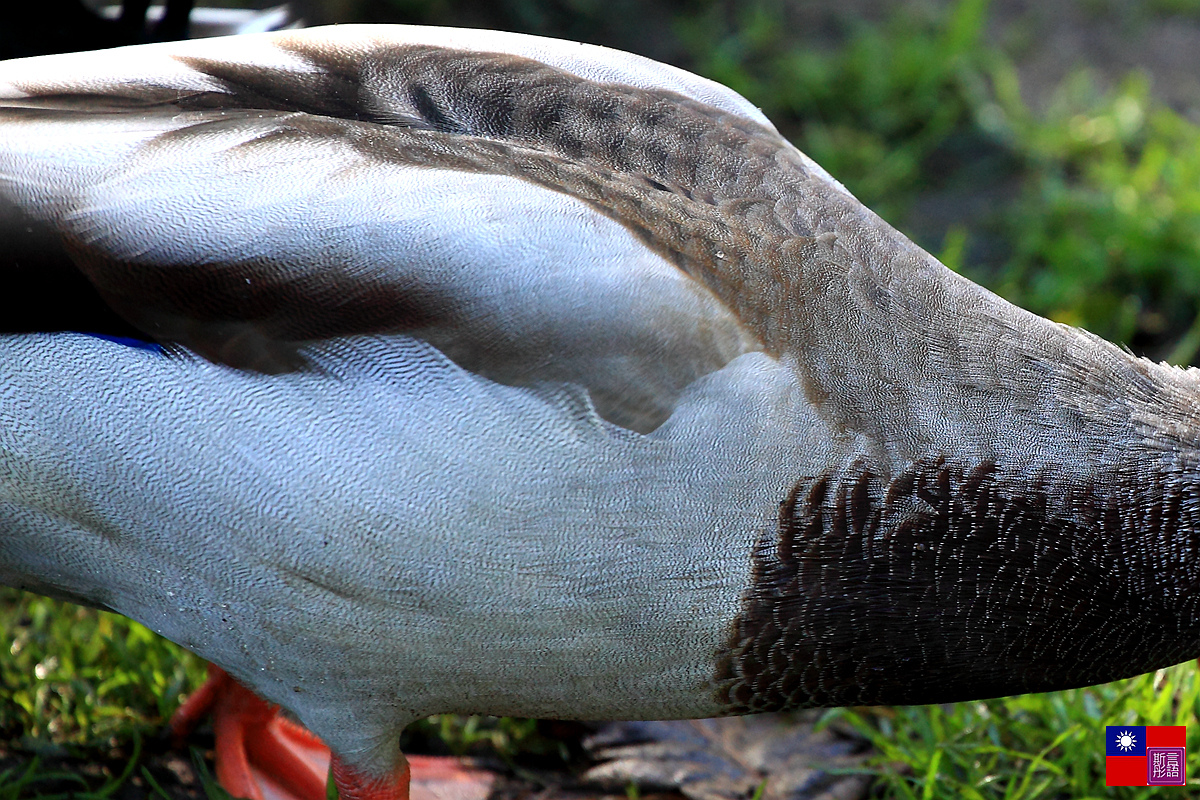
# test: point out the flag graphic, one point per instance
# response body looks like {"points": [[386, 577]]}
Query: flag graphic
{"points": [[1145, 755]]}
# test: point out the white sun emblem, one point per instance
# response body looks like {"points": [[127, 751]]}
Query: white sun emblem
{"points": [[1126, 740]]}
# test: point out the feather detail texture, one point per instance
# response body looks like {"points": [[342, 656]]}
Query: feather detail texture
{"points": [[516, 376]]}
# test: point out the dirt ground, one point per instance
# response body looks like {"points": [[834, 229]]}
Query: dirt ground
{"points": [[1110, 38], [1048, 39]]}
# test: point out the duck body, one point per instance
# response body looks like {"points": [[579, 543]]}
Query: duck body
{"points": [[566, 598], [511, 376]]}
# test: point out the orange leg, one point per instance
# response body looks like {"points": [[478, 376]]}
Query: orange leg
{"points": [[261, 755], [353, 785]]}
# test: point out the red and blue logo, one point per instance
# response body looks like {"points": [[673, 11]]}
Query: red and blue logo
{"points": [[1145, 755]]}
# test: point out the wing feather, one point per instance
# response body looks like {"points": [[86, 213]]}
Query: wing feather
{"points": [[249, 198]]}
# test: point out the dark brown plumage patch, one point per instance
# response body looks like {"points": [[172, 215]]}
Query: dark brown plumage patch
{"points": [[946, 584], [44, 290]]}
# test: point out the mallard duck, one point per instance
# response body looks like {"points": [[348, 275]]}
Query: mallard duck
{"points": [[406, 370]]}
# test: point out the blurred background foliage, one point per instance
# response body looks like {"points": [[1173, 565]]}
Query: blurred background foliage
{"points": [[1047, 150]]}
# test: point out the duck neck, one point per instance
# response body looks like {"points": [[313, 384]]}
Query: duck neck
{"points": [[1013, 506]]}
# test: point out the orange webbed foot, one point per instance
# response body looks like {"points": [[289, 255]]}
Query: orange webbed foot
{"points": [[262, 755]]}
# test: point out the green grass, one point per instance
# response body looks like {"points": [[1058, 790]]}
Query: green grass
{"points": [[1042, 745], [74, 676]]}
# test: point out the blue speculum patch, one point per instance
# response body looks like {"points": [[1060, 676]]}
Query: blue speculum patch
{"points": [[153, 347]]}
